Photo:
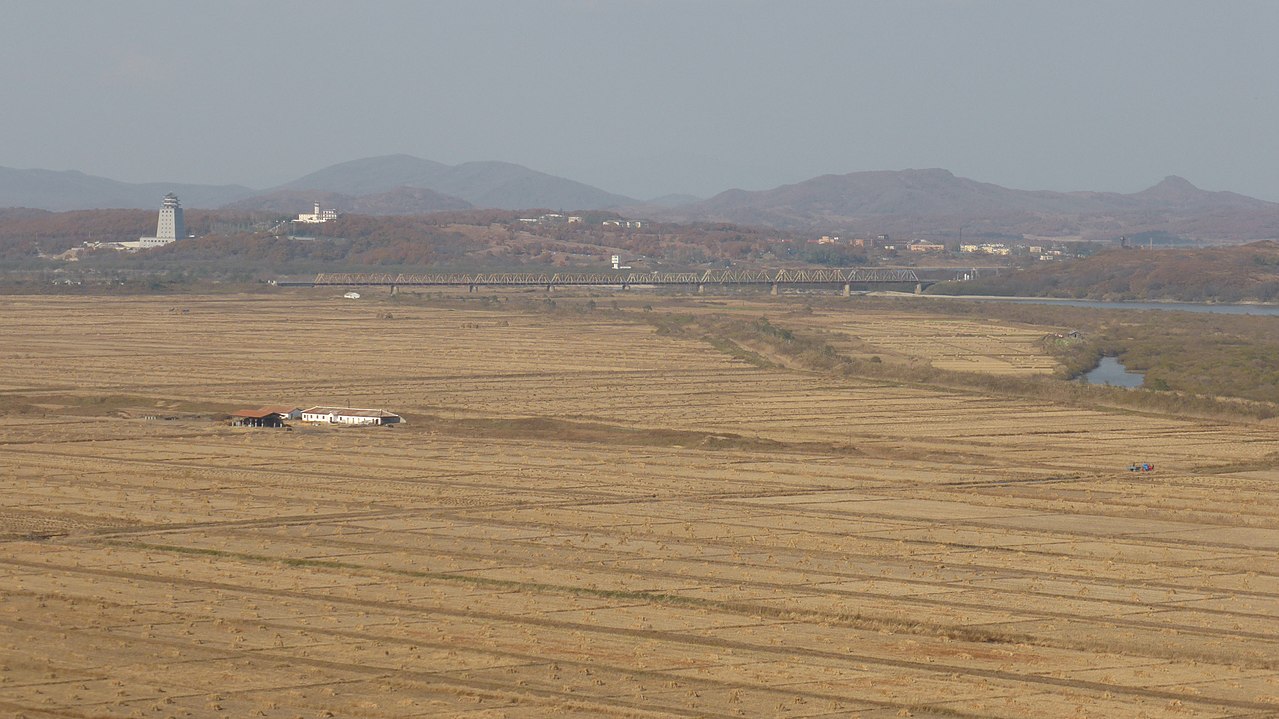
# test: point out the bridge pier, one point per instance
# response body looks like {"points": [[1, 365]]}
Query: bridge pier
{"points": [[701, 288], [774, 290], [394, 290], [848, 289], [470, 288], [919, 288]]}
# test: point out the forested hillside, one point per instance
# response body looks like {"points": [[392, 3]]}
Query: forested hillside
{"points": [[462, 240], [1221, 274]]}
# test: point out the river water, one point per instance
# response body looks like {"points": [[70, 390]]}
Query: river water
{"points": [[1110, 370], [1224, 309]]}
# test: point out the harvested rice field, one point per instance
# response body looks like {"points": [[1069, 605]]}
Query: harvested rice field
{"points": [[583, 517]]}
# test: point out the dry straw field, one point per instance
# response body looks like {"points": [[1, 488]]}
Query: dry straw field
{"points": [[583, 517]]}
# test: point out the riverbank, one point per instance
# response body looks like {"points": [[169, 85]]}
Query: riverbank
{"points": [[1240, 308]]}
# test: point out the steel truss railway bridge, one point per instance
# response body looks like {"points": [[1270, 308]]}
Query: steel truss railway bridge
{"points": [[692, 280]]}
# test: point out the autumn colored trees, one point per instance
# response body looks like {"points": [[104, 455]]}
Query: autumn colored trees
{"points": [[1219, 274]]}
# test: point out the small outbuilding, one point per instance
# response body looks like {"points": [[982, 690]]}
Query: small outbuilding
{"points": [[350, 416], [256, 418], [265, 416], [284, 411]]}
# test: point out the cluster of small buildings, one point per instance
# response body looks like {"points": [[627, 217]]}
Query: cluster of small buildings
{"points": [[1001, 249], [555, 218], [925, 246], [349, 416], [987, 248], [552, 218], [882, 242], [1046, 254]]}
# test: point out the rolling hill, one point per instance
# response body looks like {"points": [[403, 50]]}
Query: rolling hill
{"points": [[72, 190], [498, 185], [396, 201]]}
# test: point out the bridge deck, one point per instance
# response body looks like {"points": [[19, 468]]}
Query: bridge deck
{"points": [[710, 277]]}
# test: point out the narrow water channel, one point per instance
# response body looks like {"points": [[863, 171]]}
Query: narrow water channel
{"points": [[1112, 372]]}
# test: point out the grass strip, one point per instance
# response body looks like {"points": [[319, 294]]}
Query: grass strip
{"points": [[813, 353]]}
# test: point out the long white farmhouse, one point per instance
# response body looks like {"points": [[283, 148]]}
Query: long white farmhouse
{"points": [[349, 415]]}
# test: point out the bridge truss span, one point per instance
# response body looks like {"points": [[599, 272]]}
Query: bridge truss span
{"points": [[872, 275], [822, 276]]}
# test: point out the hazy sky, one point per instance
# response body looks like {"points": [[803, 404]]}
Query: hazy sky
{"points": [[647, 97]]}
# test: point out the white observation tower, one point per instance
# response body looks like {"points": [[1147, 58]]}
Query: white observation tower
{"points": [[169, 227]]}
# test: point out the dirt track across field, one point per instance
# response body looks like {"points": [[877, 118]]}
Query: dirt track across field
{"points": [[584, 518]]}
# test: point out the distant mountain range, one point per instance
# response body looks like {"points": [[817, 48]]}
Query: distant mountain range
{"points": [[937, 201], [392, 184], [918, 202], [938, 192]]}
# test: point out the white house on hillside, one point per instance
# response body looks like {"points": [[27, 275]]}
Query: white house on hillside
{"points": [[318, 216]]}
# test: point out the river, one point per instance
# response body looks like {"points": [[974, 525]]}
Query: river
{"points": [[1224, 309]]}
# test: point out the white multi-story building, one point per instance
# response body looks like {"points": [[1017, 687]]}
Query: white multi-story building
{"points": [[318, 216]]}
